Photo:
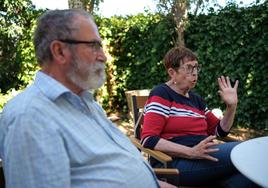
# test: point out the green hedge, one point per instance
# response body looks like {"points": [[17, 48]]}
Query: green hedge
{"points": [[230, 42], [137, 45], [234, 42], [17, 60]]}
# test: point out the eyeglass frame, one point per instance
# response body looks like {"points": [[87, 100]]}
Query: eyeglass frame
{"points": [[188, 70], [95, 45]]}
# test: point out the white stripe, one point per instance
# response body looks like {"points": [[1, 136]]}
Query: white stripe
{"points": [[184, 113], [158, 112], [158, 104], [207, 110], [158, 108], [154, 106]]}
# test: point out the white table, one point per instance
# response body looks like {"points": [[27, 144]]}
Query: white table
{"points": [[251, 159]]}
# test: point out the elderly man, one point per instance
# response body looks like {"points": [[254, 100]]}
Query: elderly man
{"points": [[54, 135]]}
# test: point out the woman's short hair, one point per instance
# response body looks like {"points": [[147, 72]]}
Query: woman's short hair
{"points": [[177, 56], [53, 25]]}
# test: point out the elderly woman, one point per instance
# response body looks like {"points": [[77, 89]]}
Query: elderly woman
{"points": [[178, 122]]}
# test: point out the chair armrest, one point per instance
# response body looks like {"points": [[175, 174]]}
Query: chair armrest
{"points": [[158, 155], [228, 139], [166, 171]]}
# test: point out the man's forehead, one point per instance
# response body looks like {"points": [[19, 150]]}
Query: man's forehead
{"points": [[87, 27]]}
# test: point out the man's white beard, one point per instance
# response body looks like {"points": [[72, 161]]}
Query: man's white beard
{"points": [[87, 76]]}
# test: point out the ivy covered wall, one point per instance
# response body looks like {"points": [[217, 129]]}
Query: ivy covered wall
{"points": [[232, 41]]}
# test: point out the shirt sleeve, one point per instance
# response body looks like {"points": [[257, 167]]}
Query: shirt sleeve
{"points": [[34, 154]]}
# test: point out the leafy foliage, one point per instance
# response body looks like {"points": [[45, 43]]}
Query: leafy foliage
{"points": [[137, 45], [230, 42], [233, 42], [17, 61]]}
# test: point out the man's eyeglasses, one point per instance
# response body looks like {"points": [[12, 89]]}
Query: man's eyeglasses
{"points": [[96, 46], [189, 69]]}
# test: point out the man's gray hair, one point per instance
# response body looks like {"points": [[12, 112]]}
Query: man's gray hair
{"points": [[54, 25]]}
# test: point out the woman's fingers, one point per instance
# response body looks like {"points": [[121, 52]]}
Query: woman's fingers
{"points": [[228, 81], [211, 150], [206, 147], [236, 84], [210, 144], [209, 157], [208, 139], [224, 82], [221, 85]]}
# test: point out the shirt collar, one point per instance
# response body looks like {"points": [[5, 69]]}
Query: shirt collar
{"points": [[86, 95], [49, 86], [54, 89]]}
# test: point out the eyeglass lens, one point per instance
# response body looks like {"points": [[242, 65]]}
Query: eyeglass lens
{"points": [[190, 69], [94, 45]]}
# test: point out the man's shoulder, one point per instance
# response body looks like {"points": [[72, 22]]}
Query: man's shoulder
{"points": [[21, 102], [26, 110], [17, 110]]}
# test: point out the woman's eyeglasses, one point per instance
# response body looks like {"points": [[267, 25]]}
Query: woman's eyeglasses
{"points": [[189, 69]]}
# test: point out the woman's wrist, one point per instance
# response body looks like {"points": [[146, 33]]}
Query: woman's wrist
{"points": [[188, 153], [231, 106]]}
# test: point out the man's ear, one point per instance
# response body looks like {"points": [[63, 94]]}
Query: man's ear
{"points": [[59, 51]]}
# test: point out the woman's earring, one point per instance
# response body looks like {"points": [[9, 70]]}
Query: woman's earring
{"points": [[174, 82]]}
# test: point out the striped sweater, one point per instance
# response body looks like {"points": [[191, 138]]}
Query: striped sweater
{"points": [[170, 115]]}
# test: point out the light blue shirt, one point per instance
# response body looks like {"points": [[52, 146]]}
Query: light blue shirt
{"points": [[52, 138]]}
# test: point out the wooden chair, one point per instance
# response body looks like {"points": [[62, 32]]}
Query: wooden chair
{"points": [[138, 103]]}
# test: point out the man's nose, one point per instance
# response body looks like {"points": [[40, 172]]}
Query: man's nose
{"points": [[101, 56]]}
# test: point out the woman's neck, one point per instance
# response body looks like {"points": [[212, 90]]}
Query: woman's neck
{"points": [[175, 87]]}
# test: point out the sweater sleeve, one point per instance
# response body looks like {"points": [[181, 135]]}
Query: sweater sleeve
{"points": [[156, 113], [212, 122], [214, 126]]}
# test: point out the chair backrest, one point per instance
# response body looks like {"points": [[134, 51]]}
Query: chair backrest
{"points": [[167, 174], [138, 103], [137, 92]]}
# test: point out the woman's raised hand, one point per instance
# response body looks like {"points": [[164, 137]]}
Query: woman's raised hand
{"points": [[227, 92]]}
